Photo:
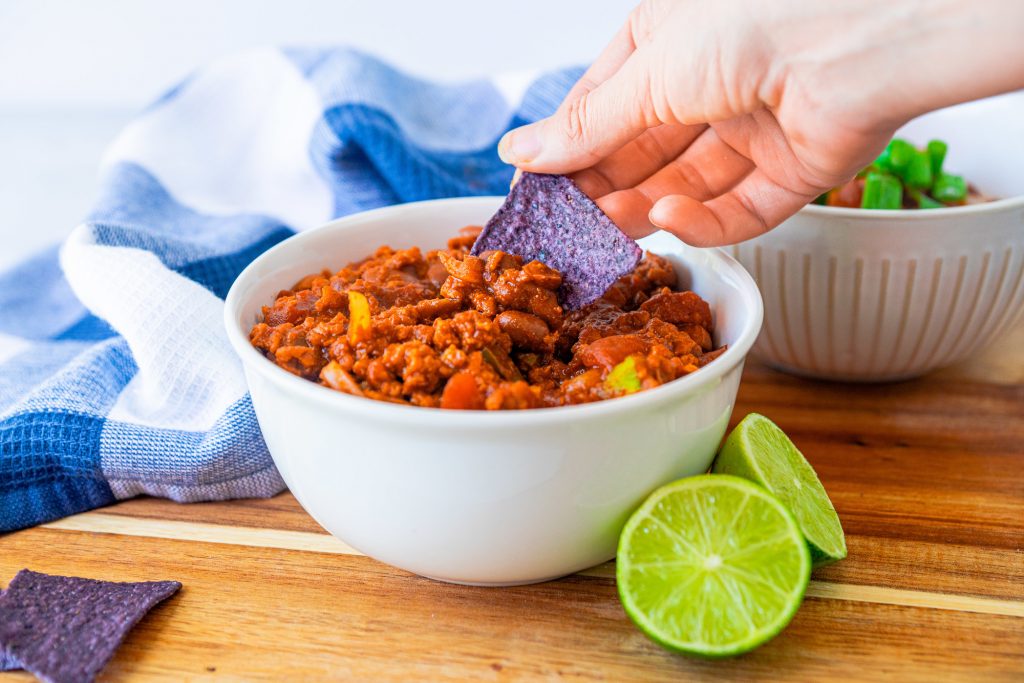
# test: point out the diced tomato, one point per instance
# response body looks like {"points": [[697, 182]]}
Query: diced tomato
{"points": [[462, 393], [608, 352]]}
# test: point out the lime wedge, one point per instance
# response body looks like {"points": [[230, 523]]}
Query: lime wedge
{"points": [[712, 566], [761, 452]]}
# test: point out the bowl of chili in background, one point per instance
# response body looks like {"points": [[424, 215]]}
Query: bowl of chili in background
{"points": [[483, 497], [869, 295]]}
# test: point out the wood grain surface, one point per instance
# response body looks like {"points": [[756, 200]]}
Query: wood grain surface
{"points": [[927, 476]]}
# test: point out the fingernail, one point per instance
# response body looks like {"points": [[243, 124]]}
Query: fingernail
{"points": [[519, 146], [654, 220]]}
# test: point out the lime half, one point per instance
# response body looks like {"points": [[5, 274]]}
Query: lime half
{"points": [[761, 452], [712, 566]]}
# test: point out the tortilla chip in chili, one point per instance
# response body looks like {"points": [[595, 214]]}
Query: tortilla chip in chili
{"points": [[549, 219]]}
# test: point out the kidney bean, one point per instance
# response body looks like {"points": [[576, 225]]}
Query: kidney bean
{"points": [[526, 330], [679, 307]]}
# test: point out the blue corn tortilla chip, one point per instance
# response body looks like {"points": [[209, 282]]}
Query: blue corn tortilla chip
{"points": [[65, 629], [549, 219], [7, 662]]}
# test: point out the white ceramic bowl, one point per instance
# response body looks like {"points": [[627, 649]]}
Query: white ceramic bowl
{"points": [[477, 497], [885, 295]]}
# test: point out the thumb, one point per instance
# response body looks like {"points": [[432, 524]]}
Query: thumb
{"points": [[588, 128]]}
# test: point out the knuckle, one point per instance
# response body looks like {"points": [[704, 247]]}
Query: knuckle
{"points": [[575, 123], [641, 19], [690, 177], [714, 233], [586, 84], [749, 205], [652, 149], [594, 181]]}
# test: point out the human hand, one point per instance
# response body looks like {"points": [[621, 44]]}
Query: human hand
{"points": [[718, 120]]}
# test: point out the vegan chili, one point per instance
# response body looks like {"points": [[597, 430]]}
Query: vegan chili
{"points": [[451, 330]]}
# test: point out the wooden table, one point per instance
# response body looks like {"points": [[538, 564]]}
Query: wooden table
{"points": [[927, 476]]}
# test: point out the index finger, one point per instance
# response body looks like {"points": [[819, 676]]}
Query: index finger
{"points": [[751, 208]]}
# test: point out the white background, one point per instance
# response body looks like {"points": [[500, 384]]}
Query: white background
{"points": [[72, 73]]}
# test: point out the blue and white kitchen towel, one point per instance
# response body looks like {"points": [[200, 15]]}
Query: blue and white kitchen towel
{"points": [[116, 377]]}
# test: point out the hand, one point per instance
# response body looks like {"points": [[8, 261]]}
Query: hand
{"points": [[718, 120]]}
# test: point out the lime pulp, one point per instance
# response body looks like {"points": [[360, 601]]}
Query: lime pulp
{"points": [[761, 452], [712, 566]]}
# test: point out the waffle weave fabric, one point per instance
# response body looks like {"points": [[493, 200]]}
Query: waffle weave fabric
{"points": [[116, 377]]}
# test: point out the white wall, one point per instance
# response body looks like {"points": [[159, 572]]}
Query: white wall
{"points": [[71, 72], [123, 52]]}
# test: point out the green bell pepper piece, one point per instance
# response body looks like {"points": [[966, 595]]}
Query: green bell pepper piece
{"points": [[623, 377]]}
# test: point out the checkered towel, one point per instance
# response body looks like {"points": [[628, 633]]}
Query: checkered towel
{"points": [[116, 377]]}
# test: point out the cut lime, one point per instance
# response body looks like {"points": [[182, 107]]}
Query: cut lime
{"points": [[712, 566], [761, 452]]}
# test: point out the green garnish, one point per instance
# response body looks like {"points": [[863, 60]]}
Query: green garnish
{"points": [[900, 153], [924, 201], [918, 173], [879, 164], [949, 188], [902, 170], [623, 377], [937, 152], [882, 191]]}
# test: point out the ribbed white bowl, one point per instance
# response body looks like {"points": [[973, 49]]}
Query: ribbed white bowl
{"points": [[862, 297], [884, 295]]}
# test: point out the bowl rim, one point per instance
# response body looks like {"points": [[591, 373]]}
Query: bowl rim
{"points": [[913, 215], [251, 358]]}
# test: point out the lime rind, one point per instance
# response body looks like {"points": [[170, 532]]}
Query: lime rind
{"points": [[758, 450], [712, 566]]}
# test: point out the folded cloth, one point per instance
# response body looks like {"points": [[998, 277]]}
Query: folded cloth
{"points": [[116, 377]]}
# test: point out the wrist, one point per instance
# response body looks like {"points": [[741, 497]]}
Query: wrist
{"points": [[961, 51], [884, 62]]}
